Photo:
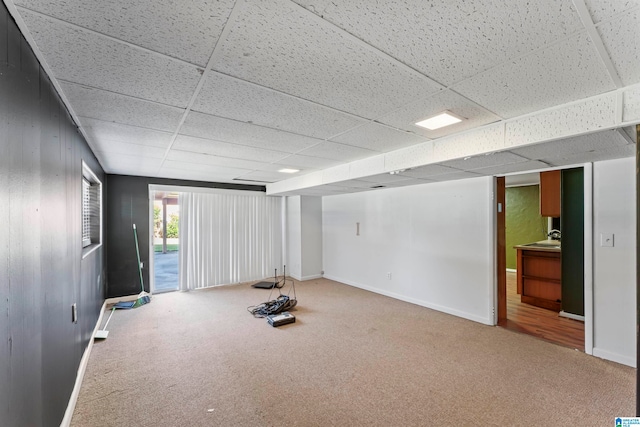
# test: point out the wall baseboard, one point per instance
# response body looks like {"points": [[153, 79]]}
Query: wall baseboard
{"points": [[437, 307], [71, 406], [124, 299], [512, 270], [312, 277], [571, 316], [614, 357]]}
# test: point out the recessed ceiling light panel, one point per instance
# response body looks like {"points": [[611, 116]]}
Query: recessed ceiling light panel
{"points": [[441, 120], [287, 170]]}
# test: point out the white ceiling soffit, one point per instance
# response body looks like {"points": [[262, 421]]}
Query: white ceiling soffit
{"points": [[234, 90]]}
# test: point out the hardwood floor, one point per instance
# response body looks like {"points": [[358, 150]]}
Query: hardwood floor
{"points": [[540, 322]]}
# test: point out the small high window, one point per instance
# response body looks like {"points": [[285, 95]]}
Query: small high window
{"points": [[91, 210]]}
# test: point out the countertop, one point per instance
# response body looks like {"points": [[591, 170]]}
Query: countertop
{"points": [[542, 245]]}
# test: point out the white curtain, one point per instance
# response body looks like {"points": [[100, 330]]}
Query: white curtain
{"points": [[228, 238]]}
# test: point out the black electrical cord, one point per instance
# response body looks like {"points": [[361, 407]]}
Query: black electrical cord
{"points": [[280, 304]]}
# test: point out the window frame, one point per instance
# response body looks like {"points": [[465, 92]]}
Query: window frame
{"points": [[90, 211]]}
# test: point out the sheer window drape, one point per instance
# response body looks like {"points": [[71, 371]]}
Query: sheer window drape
{"points": [[228, 238]]}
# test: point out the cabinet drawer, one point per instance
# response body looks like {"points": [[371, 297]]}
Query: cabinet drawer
{"points": [[541, 289]]}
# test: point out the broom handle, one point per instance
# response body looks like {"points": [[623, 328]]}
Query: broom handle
{"points": [[135, 236]]}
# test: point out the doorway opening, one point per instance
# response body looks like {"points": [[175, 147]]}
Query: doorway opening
{"points": [[533, 258], [166, 241]]}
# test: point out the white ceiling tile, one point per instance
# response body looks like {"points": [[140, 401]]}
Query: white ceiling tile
{"points": [[225, 149], [485, 161], [567, 147], [90, 59], [427, 171], [137, 171], [356, 183], [331, 189], [369, 166], [117, 147], [188, 32], [210, 176], [199, 167], [455, 176], [275, 44], [407, 183], [406, 117], [454, 39], [409, 157], [212, 160], [622, 41], [98, 130], [590, 115], [220, 129], [511, 168], [225, 96], [113, 107], [378, 138], [384, 178], [606, 154], [480, 140], [130, 163], [558, 74], [632, 133], [522, 180], [604, 9], [631, 111], [304, 162], [336, 173], [335, 151]]}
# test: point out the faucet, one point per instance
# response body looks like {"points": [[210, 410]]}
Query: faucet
{"points": [[555, 234]]}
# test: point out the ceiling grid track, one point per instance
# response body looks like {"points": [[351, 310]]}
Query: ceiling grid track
{"points": [[587, 22], [106, 36], [237, 8]]}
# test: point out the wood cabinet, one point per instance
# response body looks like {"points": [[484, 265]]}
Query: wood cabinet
{"points": [[550, 194], [539, 278]]}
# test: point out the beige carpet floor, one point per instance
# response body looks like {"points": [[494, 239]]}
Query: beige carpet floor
{"points": [[353, 358]]}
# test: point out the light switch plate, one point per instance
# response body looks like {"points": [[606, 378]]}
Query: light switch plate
{"points": [[606, 240]]}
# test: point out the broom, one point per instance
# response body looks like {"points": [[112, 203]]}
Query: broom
{"points": [[143, 297]]}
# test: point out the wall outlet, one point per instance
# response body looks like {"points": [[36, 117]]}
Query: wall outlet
{"points": [[389, 275]]}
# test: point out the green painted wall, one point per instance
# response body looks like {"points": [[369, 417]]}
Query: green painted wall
{"points": [[523, 221]]}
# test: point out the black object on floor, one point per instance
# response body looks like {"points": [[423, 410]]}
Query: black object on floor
{"points": [[264, 285]]}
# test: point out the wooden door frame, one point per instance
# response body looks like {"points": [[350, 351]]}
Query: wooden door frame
{"points": [[501, 250]]}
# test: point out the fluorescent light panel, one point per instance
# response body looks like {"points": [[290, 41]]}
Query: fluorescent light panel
{"points": [[286, 170], [441, 120]]}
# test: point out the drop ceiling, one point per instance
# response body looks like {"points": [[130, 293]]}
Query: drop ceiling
{"points": [[234, 91]]}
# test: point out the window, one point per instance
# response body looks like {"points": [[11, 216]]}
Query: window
{"points": [[91, 210]]}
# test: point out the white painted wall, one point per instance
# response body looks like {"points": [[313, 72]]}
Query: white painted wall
{"points": [[311, 234], [437, 240], [614, 268], [294, 237], [304, 237]]}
